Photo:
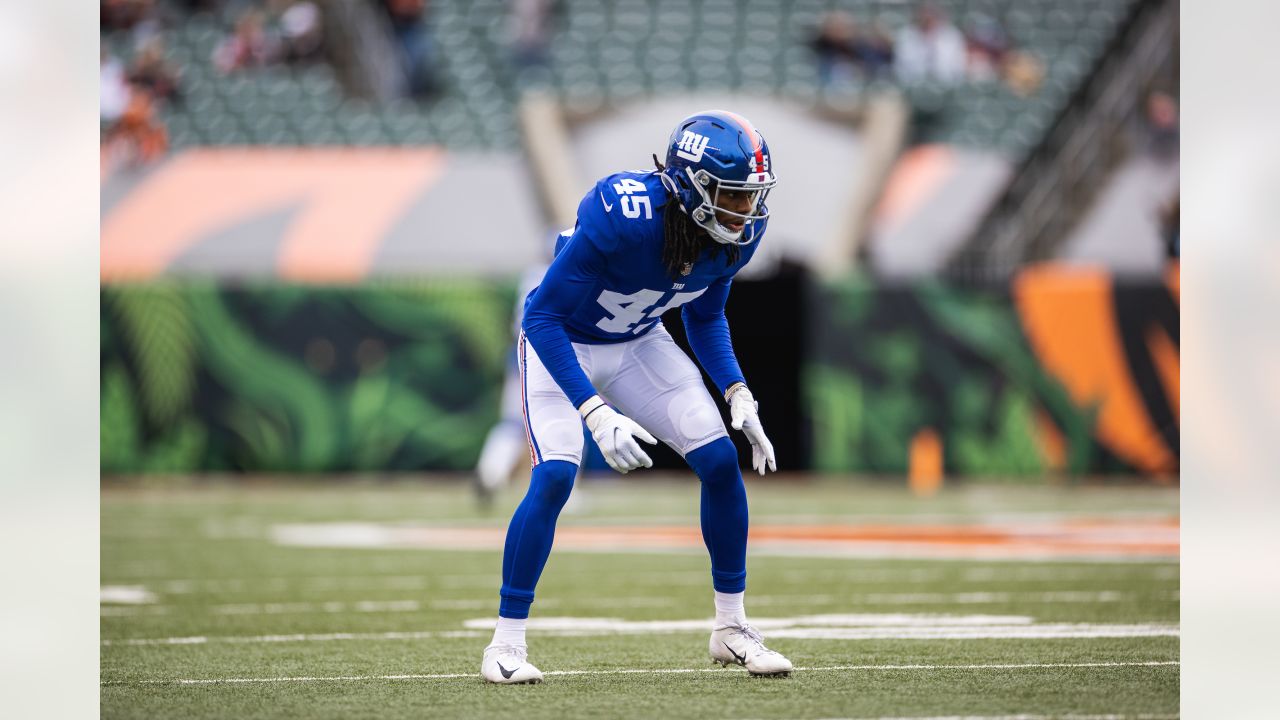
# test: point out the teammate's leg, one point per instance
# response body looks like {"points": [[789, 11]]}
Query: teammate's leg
{"points": [[506, 440], [555, 444]]}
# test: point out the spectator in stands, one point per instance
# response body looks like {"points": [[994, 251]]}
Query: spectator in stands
{"points": [[138, 134], [1023, 72], [532, 25], [140, 17], [1162, 133], [150, 71], [988, 46], [1170, 228], [249, 45], [301, 31], [195, 6], [875, 47], [930, 48], [844, 51], [409, 26], [113, 88], [122, 14], [992, 56]]}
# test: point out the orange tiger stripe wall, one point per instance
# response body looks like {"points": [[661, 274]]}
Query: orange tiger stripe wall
{"points": [[1106, 351]]}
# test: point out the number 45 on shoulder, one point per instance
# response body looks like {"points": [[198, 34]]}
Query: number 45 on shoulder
{"points": [[632, 203]]}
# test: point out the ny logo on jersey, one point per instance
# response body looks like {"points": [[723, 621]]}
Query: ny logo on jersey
{"points": [[691, 146]]}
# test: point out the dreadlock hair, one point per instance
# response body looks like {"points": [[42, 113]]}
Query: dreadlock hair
{"points": [[684, 240]]}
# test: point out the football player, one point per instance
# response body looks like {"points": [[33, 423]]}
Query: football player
{"points": [[594, 351]]}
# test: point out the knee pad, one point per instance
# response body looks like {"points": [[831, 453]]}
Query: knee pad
{"points": [[553, 481], [717, 461]]}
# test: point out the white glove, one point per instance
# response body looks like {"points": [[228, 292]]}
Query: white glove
{"points": [[612, 432], [744, 415]]}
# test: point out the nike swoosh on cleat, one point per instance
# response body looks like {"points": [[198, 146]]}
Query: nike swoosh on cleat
{"points": [[607, 206], [507, 673], [742, 659]]}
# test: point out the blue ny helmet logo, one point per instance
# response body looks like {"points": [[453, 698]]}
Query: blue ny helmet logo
{"points": [[691, 146]]}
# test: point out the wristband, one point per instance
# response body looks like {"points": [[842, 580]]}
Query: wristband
{"points": [[592, 404], [729, 391]]}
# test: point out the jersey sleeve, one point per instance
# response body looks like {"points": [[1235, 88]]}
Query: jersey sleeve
{"points": [[708, 333], [568, 283]]}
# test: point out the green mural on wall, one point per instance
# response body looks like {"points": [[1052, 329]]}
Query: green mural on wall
{"points": [[384, 376], [200, 376], [887, 362]]}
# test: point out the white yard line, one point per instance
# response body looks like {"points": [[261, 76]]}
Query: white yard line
{"points": [[967, 598], [995, 632], [331, 607], [126, 594], [817, 627], [658, 671], [411, 605], [1026, 717], [316, 637]]}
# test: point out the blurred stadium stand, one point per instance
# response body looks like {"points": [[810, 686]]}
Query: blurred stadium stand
{"points": [[1057, 184], [617, 51]]}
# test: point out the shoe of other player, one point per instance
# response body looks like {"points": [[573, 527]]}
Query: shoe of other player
{"points": [[508, 665], [742, 644]]}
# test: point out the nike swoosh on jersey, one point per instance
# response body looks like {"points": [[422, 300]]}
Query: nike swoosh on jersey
{"points": [[607, 206]]}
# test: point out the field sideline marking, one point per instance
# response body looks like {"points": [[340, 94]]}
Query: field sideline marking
{"points": [[1161, 570], [663, 671], [1082, 537]]}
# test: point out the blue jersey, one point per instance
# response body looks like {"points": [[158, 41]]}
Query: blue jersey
{"points": [[608, 284]]}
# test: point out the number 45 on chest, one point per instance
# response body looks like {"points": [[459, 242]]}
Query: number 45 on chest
{"points": [[628, 311]]}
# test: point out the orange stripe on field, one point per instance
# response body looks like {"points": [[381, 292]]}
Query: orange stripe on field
{"points": [[1082, 536]]}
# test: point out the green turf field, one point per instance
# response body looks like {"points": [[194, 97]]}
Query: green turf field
{"points": [[212, 609]]}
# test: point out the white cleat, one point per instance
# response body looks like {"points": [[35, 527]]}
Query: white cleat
{"points": [[742, 645], [508, 665]]}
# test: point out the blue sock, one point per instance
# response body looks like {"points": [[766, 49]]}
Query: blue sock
{"points": [[724, 513], [529, 536]]}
